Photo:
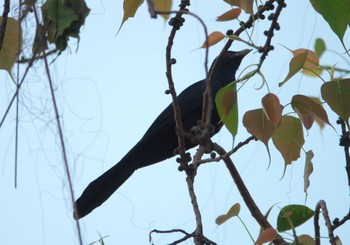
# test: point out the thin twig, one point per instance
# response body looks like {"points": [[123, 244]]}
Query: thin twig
{"points": [[249, 201], [236, 148], [186, 236], [60, 133], [17, 97], [274, 17], [30, 63], [337, 222], [151, 9], [38, 57]]}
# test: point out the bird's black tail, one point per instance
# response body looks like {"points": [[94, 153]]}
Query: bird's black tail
{"points": [[98, 191]]}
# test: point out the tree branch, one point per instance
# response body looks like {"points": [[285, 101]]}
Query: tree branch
{"points": [[345, 142], [4, 22], [322, 205], [250, 203]]}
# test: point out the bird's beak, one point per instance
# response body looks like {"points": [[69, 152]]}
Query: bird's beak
{"points": [[243, 53]]}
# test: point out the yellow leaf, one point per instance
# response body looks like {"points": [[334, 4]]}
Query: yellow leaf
{"points": [[311, 66], [308, 170], [272, 108], [305, 240], [295, 65], [234, 211], [12, 41], [163, 5], [229, 15], [130, 7], [213, 39], [246, 5]]}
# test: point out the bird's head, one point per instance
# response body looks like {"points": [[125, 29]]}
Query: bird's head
{"points": [[229, 65]]}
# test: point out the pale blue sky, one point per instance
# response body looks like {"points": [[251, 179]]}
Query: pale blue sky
{"points": [[111, 90]]}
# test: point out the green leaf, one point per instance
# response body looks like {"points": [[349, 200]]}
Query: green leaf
{"points": [[295, 65], [12, 41], [320, 47], [233, 211], [226, 104], [337, 95], [65, 17], [336, 13], [130, 7], [289, 138], [292, 216]]}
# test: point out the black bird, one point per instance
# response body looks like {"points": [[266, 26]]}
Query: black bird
{"points": [[160, 140]]}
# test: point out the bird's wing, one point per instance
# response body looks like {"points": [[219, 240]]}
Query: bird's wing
{"points": [[190, 102]]}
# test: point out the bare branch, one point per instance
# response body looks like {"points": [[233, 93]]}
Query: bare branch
{"points": [[4, 22], [345, 142], [186, 236], [60, 133], [249, 201], [322, 205]]}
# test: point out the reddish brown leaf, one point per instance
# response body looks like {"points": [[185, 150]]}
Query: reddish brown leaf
{"points": [[228, 100], [308, 109], [229, 15], [213, 39], [258, 125], [266, 235], [272, 108], [317, 119]]}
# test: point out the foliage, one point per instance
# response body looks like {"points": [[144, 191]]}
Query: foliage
{"points": [[283, 123]]}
